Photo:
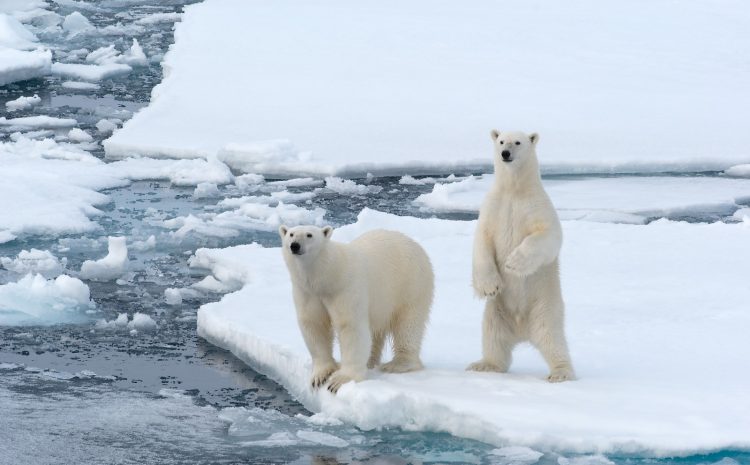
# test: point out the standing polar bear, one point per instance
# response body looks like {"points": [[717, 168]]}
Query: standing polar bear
{"points": [[378, 285], [515, 264]]}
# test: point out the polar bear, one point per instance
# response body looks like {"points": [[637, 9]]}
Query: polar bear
{"points": [[378, 285], [515, 262]]}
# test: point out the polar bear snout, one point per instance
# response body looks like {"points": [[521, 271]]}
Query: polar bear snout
{"points": [[296, 248], [506, 156]]}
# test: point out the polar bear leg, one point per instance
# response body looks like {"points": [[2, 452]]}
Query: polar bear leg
{"points": [[408, 330], [548, 336], [498, 340], [376, 353], [317, 332], [351, 320]]}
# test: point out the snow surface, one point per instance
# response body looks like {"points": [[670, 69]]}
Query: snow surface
{"points": [[111, 267], [399, 88], [39, 301], [619, 200], [656, 320]]}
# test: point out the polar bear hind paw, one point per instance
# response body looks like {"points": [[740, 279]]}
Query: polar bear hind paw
{"points": [[486, 366], [403, 365], [558, 376]]}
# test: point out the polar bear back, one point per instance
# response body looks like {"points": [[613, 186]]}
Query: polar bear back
{"points": [[399, 274]]}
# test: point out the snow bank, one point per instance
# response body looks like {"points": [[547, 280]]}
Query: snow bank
{"points": [[620, 200], [394, 88], [35, 300], [656, 322], [111, 267]]}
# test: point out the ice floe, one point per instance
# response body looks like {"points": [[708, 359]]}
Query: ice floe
{"points": [[35, 261], [21, 56], [646, 304], [620, 200], [90, 72], [418, 91], [34, 300], [22, 103], [111, 267]]}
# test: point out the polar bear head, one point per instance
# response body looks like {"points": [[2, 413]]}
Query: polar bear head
{"points": [[304, 242], [514, 150]]}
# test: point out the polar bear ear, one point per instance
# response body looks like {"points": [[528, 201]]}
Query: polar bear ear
{"points": [[327, 232], [494, 134], [283, 230], [534, 138]]}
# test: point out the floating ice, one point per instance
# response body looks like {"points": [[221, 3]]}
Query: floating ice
{"points": [[41, 121], [516, 455], [90, 72], [637, 299], [178, 172], [417, 92], [76, 85], [14, 35], [35, 261], [107, 55], [142, 322], [120, 322], [34, 300], [739, 171], [111, 267], [22, 103], [79, 135], [159, 18], [142, 246], [18, 65], [206, 189], [172, 296], [349, 187], [76, 23], [619, 200], [106, 126]]}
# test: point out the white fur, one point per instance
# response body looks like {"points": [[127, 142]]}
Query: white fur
{"points": [[379, 285], [515, 262]]}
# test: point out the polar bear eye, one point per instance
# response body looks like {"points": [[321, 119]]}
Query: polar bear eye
{"points": [[291, 234], [518, 143], [502, 142], [309, 235]]}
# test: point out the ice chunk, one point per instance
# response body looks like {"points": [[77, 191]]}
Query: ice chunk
{"points": [[206, 189], [159, 18], [631, 396], [111, 267], [324, 439], [349, 187], [41, 121], [34, 300], [412, 181], [79, 135], [120, 322], [22, 103], [106, 126], [142, 322], [35, 261], [76, 23], [6, 236], [90, 72], [142, 246], [516, 455], [739, 171], [107, 55], [18, 65], [179, 172], [14, 35], [76, 85], [172, 296]]}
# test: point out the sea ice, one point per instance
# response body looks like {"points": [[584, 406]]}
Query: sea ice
{"points": [[76, 23], [23, 103], [111, 267], [106, 126], [638, 298], [14, 35], [76, 85], [90, 72], [79, 135], [739, 171], [35, 261], [414, 88], [349, 187], [35, 122], [34, 300], [206, 189], [142, 322], [19, 65], [158, 18], [172, 296]]}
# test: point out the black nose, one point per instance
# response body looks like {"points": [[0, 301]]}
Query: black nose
{"points": [[295, 247], [506, 154]]}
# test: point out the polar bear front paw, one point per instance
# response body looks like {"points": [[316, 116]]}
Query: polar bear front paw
{"points": [[487, 285], [519, 264], [321, 374], [560, 375], [337, 380], [486, 366]]}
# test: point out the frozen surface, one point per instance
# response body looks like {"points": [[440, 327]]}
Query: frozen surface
{"points": [[21, 56], [111, 267], [656, 322], [90, 72], [35, 261], [38, 301], [620, 200], [740, 171], [393, 88], [22, 103]]}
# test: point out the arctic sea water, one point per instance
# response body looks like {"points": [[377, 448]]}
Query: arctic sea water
{"points": [[80, 393]]}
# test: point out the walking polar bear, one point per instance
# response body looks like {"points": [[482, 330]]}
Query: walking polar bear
{"points": [[515, 265], [378, 285]]}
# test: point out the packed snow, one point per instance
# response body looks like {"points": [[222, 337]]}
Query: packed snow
{"points": [[36, 300], [393, 88], [643, 309], [111, 267], [620, 200]]}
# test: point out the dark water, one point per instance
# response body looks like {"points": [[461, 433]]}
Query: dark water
{"points": [[80, 394]]}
